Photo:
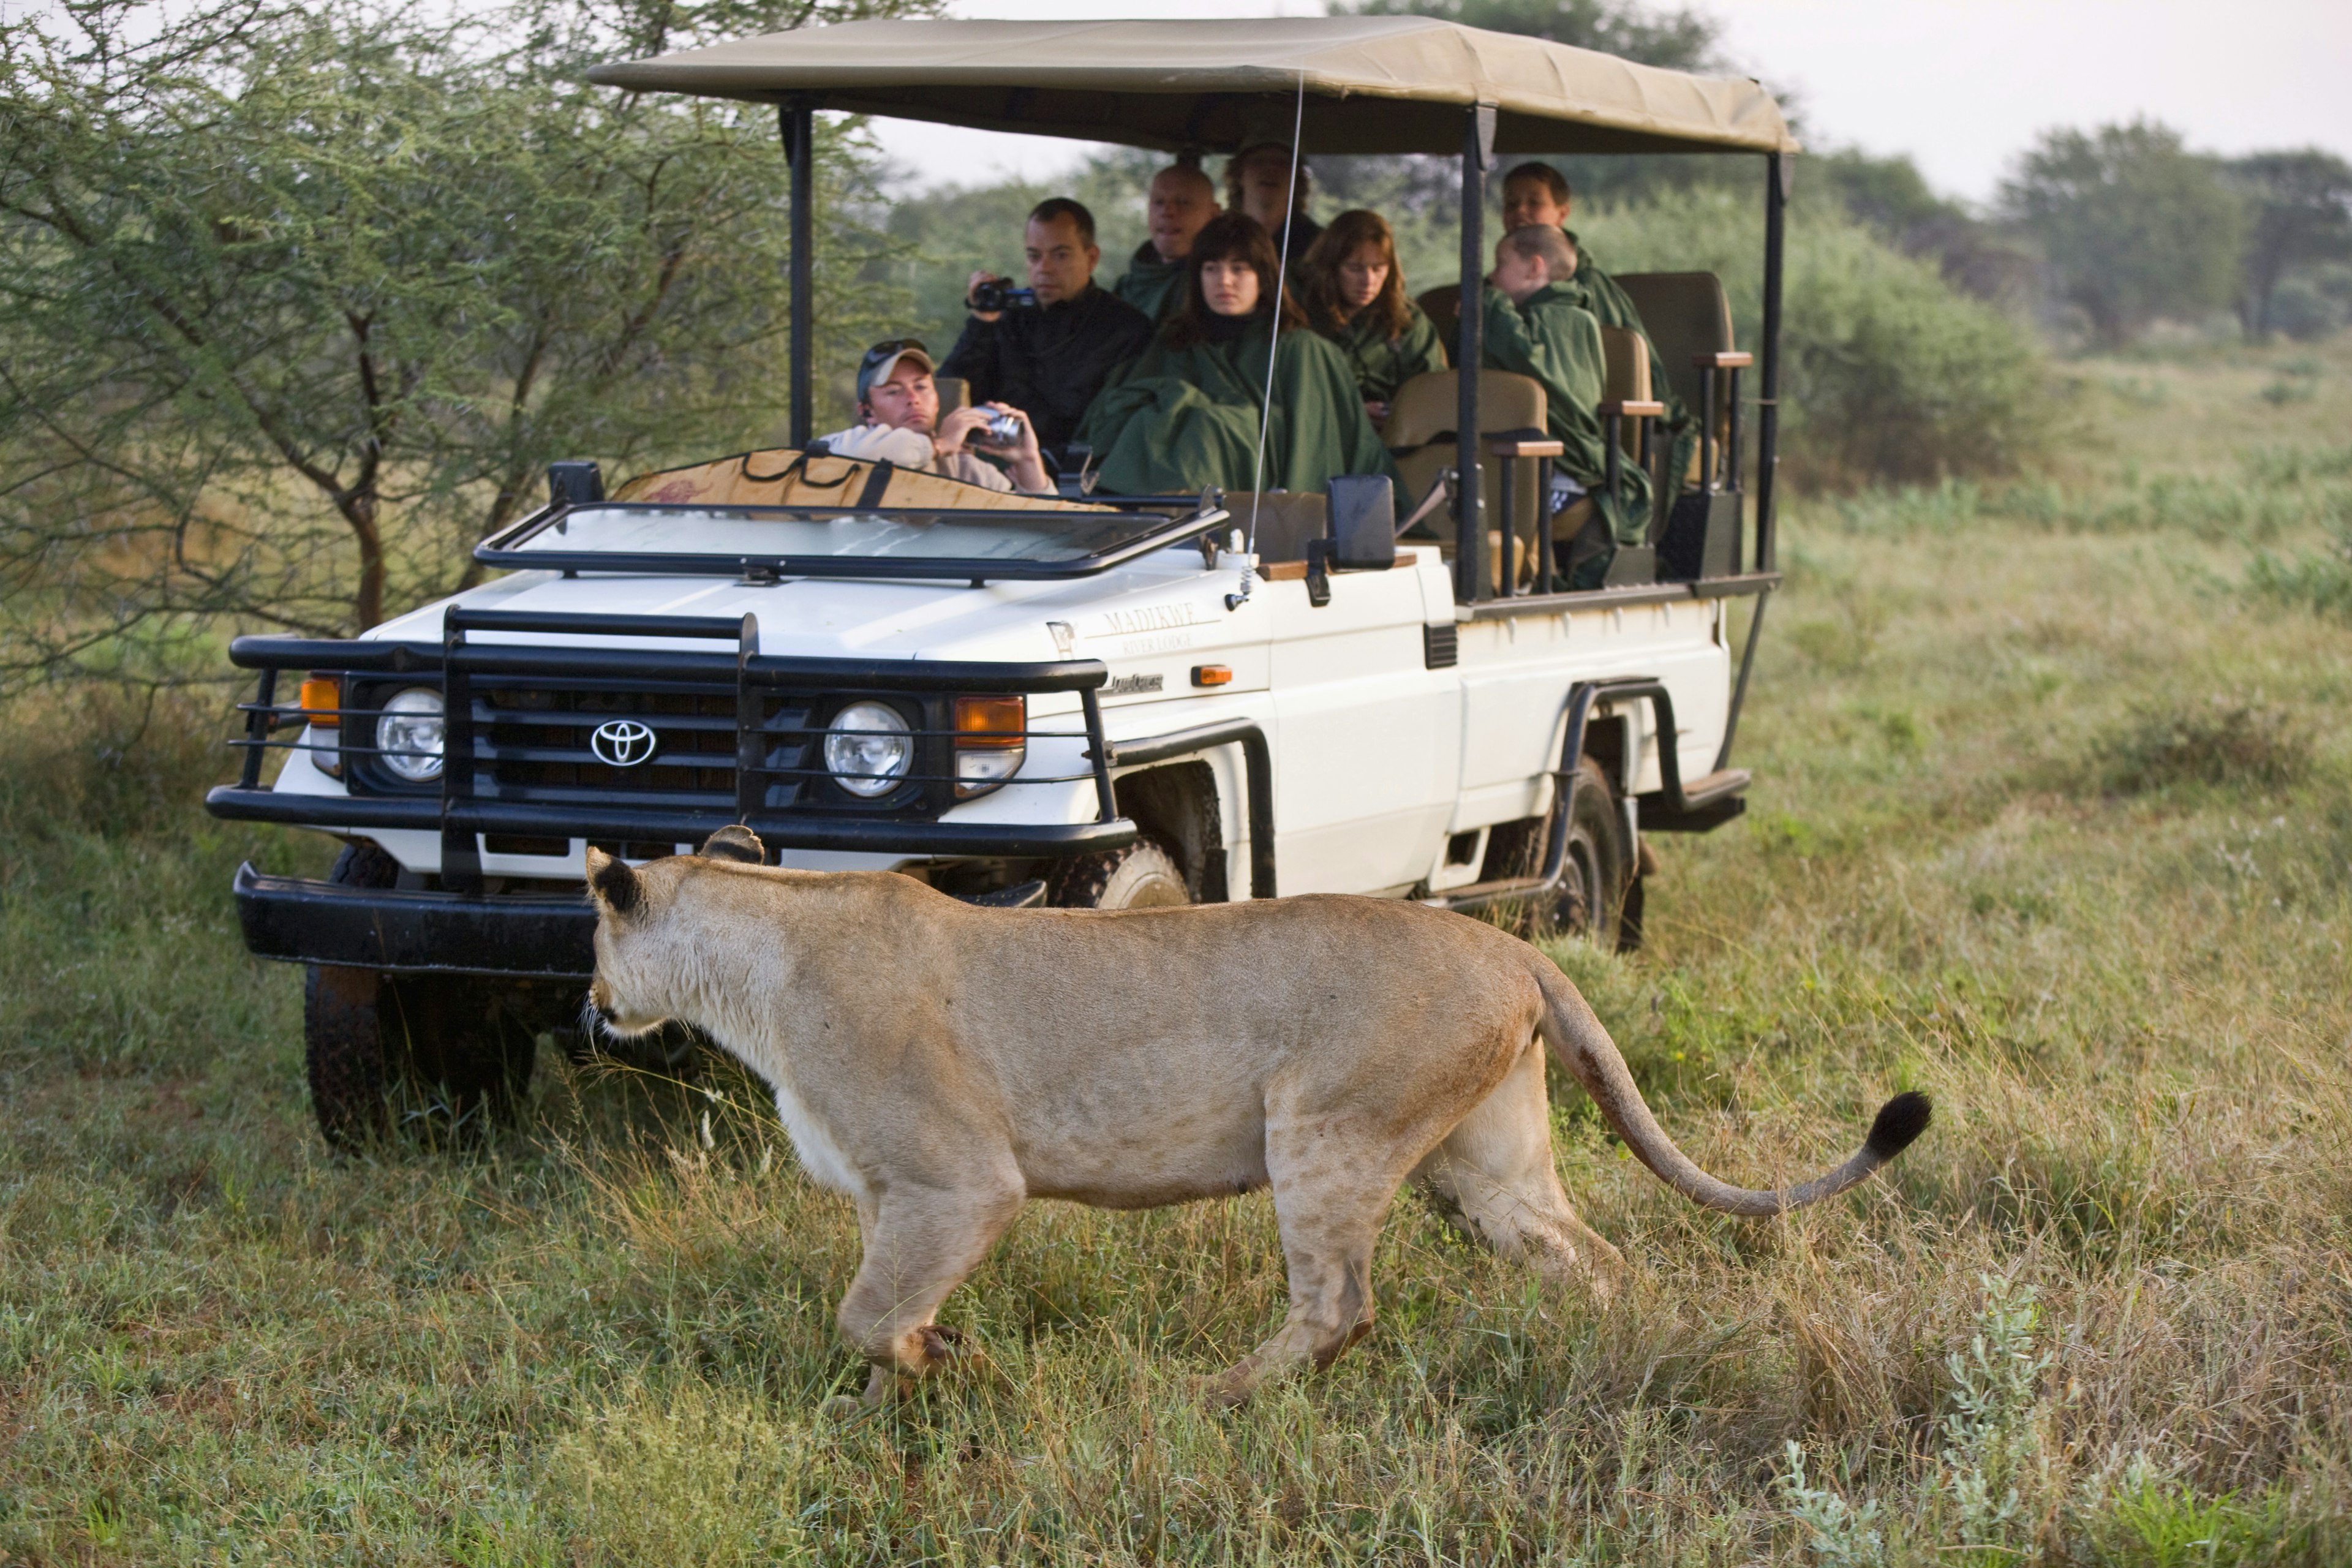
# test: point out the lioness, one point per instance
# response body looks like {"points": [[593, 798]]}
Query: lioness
{"points": [[942, 1064]]}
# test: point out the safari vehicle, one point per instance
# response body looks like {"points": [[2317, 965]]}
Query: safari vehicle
{"points": [[1081, 701]]}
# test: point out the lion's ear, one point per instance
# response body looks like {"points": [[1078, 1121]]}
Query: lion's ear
{"points": [[615, 885], [735, 842]]}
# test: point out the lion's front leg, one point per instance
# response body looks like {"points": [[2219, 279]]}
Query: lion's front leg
{"points": [[920, 1245]]}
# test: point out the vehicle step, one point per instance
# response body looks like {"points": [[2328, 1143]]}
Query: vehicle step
{"points": [[1495, 889], [1715, 787]]}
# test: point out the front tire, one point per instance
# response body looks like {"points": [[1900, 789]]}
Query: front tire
{"points": [[436, 1054], [1142, 876]]}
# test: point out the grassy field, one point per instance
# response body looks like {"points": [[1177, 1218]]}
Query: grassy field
{"points": [[2051, 820]]}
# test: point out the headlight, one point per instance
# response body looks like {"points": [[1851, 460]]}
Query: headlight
{"points": [[408, 737], [869, 749]]}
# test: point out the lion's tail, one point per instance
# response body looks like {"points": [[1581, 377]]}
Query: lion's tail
{"points": [[1576, 1037]]}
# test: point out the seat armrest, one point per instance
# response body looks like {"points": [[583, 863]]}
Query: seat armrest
{"points": [[1631, 409], [1730, 359], [1544, 448]]}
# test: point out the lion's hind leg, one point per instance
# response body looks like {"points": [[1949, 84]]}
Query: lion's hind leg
{"points": [[1329, 1201], [1494, 1178], [920, 1245]]}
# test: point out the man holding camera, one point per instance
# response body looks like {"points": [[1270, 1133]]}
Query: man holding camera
{"points": [[1049, 347], [900, 403]]}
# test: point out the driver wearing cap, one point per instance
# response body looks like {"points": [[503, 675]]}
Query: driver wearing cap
{"points": [[899, 404]]}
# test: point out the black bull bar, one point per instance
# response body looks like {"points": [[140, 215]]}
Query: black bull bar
{"points": [[463, 930]]}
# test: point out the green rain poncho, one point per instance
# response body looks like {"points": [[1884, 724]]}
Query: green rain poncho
{"points": [[1383, 364], [1152, 286], [1557, 341], [1612, 307], [1180, 419]]}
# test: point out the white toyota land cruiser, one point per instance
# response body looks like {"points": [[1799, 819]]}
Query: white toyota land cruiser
{"points": [[1084, 701]]}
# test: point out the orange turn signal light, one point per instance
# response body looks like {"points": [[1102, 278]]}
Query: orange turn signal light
{"points": [[990, 722], [1212, 675], [322, 701]]}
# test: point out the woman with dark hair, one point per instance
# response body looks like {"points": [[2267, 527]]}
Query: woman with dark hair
{"points": [[1355, 297], [1188, 413]]}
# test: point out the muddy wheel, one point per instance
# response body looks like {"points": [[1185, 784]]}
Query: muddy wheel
{"points": [[430, 1055], [1141, 877], [1595, 877]]}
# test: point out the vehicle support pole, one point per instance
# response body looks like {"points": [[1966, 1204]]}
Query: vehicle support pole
{"points": [[798, 122], [1778, 171], [1469, 539]]}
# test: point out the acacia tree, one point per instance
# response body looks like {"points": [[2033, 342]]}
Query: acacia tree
{"points": [[2132, 226], [298, 301], [2301, 204]]}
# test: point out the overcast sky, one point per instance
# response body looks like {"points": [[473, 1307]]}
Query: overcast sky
{"points": [[1960, 85]]}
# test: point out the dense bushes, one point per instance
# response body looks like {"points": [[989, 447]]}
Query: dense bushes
{"points": [[1891, 373]]}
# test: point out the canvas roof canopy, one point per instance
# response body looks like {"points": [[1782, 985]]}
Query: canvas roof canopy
{"points": [[1379, 84]]}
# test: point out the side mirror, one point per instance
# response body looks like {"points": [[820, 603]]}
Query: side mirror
{"points": [[574, 484], [1363, 509]]}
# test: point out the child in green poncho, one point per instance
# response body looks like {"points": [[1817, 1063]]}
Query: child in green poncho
{"points": [[1355, 296], [1188, 414], [1538, 193], [1536, 327]]}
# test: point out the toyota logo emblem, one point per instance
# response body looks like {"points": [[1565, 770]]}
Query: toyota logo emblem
{"points": [[624, 742]]}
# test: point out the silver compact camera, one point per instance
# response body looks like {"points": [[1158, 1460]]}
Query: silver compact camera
{"points": [[1000, 430]]}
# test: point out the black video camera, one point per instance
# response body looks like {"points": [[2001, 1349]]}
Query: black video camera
{"points": [[996, 294]]}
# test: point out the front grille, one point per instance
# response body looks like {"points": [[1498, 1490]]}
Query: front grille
{"points": [[531, 742]]}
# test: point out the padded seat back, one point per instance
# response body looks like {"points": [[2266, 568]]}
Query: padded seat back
{"points": [[1684, 313], [1423, 417], [1626, 375], [954, 392], [1443, 306], [1287, 519]]}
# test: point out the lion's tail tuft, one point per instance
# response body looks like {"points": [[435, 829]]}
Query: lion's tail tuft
{"points": [[1584, 1049], [1898, 1125]]}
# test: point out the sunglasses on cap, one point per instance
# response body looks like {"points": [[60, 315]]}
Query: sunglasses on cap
{"points": [[889, 348]]}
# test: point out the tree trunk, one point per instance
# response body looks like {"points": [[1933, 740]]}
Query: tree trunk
{"points": [[367, 603]]}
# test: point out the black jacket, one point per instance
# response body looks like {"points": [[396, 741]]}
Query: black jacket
{"points": [[1049, 363]]}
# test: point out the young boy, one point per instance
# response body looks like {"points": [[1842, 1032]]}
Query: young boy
{"points": [[1539, 194], [1537, 327]]}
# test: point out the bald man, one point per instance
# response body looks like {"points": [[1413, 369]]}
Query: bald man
{"points": [[1182, 200]]}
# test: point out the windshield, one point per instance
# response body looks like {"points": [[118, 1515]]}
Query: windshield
{"points": [[762, 531], [808, 541]]}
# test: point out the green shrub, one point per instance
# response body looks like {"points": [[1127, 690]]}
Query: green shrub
{"points": [[1891, 375], [2318, 579], [104, 759], [2225, 741]]}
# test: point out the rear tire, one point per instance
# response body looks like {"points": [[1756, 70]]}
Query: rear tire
{"points": [[1142, 876], [1596, 874], [431, 1055]]}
